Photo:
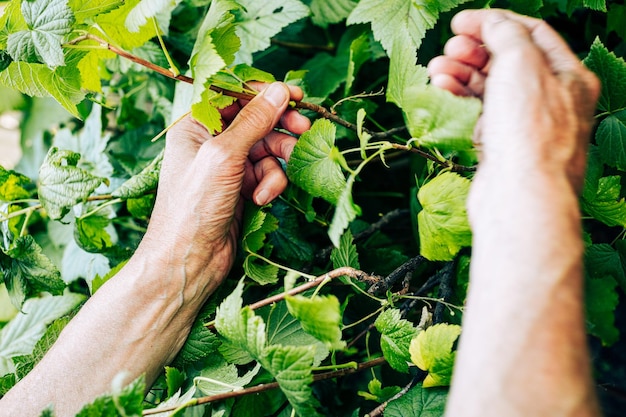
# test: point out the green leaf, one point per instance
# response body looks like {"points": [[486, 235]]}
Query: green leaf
{"points": [[11, 21], [144, 181], [419, 402], [5, 61], [239, 325], [607, 206], [90, 233], [602, 260], [345, 254], [206, 113], [259, 21], [257, 224], [404, 74], [291, 367], [599, 5], [37, 80], [311, 166], [595, 169], [289, 239], [399, 20], [146, 10], [174, 380], [284, 329], [601, 300], [6, 383], [443, 225], [62, 184], [432, 351], [377, 393], [111, 23], [262, 274], [200, 344], [220, 377], [439, 119], [325, 73], [98, 281], [612, 73], [616, 17], [12, 185], [345, 212], [21, 334], [90, 143], [7, 309], [141, 207], [319, 316], [396, 335], [87, 9], [359, 54], [327, 12], [27, 271], [611, 139], [127, 401], [213, 50], [48, 22]]}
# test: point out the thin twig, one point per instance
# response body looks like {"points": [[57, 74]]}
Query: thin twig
{"points": [[335, 273], [270, 386], [446, 164], [445, 290], [398, 273], [320, 110], [378, 411]]}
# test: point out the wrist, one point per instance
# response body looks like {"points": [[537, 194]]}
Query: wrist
{"points": [[177, 270]]}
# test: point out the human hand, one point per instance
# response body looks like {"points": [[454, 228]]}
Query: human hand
{"points": [[195, 222], [538, 98]]}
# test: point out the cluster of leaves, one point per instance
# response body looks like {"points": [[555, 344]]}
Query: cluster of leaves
{"points": [[88, 78]]}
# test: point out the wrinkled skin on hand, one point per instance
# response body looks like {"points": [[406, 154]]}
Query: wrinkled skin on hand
{"points": [[523, 349], [205, 179], [530, 82]]}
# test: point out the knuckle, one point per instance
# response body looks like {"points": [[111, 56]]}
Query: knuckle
{"points": [[255, 119]]}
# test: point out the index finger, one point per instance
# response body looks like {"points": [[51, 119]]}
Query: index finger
{"points": [[483, 26]]}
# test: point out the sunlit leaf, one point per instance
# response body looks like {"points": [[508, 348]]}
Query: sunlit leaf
{"points": [[432, 351], [311, 166], [443, 225], [48, 22], [320, 316], [400, 20]]}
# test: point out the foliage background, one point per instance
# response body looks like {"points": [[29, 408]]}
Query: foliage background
{"points": [[127, 105]]}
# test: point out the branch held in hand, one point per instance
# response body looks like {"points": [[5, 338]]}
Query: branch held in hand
{"points": [[320, 110]]}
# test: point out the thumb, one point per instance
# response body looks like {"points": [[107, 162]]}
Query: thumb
{"points": [[501, 34], [256, 119]]}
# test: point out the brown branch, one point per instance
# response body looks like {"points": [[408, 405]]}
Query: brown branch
{"points": [[320, 110], [335, 273], [270, 386], [378, 411]]}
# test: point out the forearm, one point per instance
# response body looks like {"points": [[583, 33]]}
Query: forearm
{"points": [[135, 324], [523, 350]]}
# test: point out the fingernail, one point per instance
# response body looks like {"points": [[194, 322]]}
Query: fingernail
{"points": [[275, 94], [262, 197]]}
